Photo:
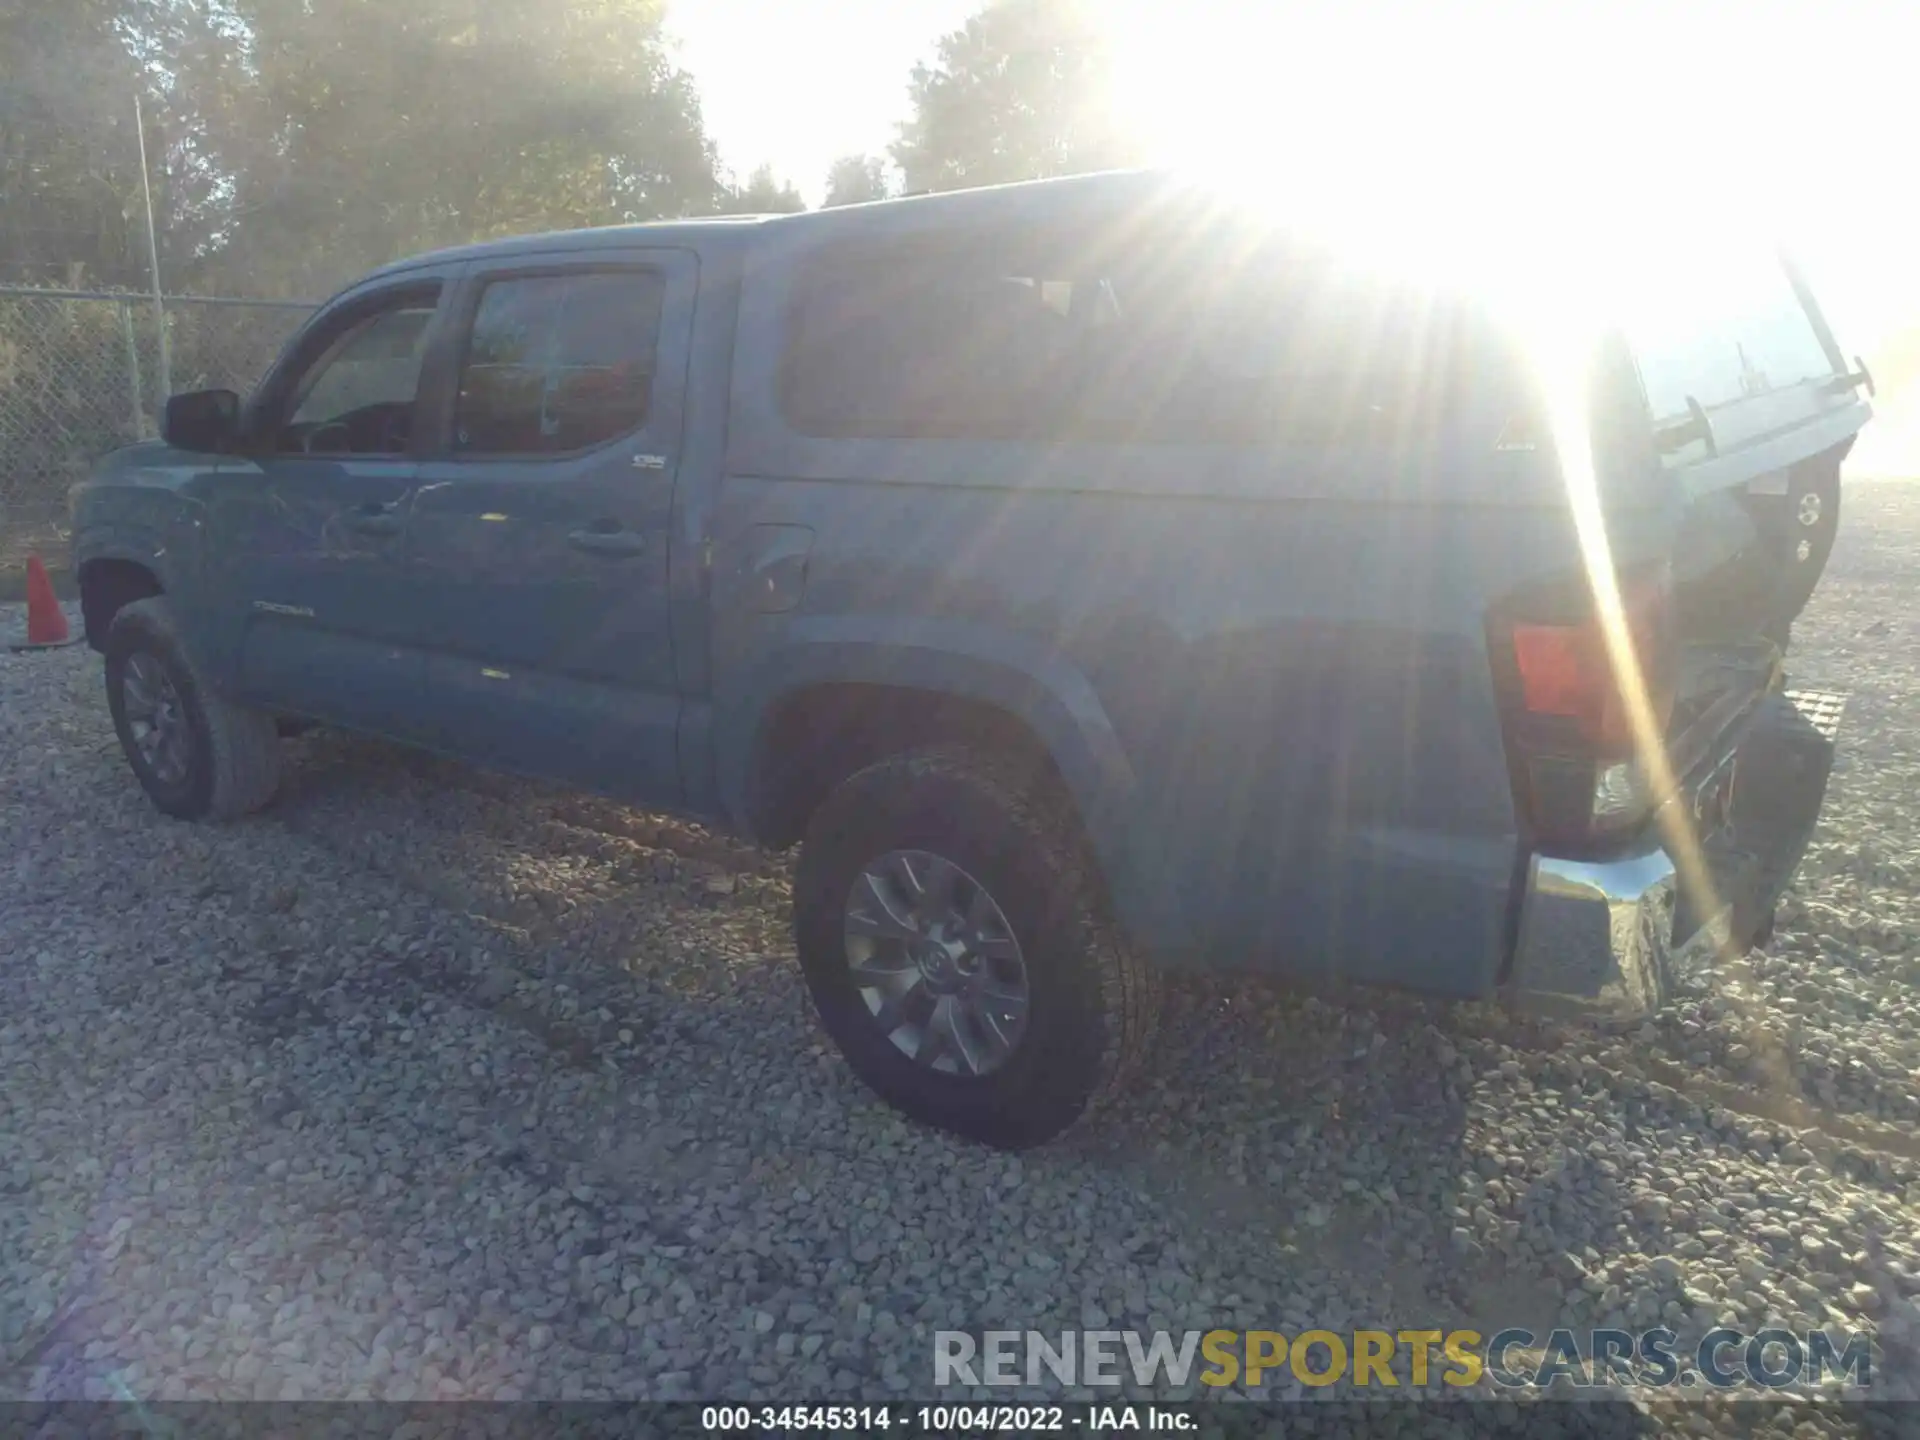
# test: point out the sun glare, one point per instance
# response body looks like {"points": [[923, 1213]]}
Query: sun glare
{"points": [[1525, 157], [1529, 153]]}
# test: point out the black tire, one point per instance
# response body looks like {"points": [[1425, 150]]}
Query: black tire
{"points": [[1093, 1002], [232, 754]]}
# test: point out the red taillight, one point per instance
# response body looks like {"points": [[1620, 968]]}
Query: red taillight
{"points": [[1570, 727], [1562, 669], [1567, 670]]}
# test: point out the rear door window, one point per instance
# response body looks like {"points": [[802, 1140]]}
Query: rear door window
{"points": [[557, 363]]}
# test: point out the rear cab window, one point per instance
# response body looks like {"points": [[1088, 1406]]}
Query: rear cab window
{"points": [[1211, 336]]}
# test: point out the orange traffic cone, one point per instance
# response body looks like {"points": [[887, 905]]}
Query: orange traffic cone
{"points": [[46, 625]]}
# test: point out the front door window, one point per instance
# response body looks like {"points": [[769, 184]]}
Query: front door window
{"points": [[358, 396]]}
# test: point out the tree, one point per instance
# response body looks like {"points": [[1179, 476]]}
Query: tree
{"points": [[293, 144], [69, 165], [1019, 92], [856, 179], [356, 131], [762, 195]]}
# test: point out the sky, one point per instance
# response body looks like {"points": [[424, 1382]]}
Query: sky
{"points": [[1692, 107], [796, 85]]}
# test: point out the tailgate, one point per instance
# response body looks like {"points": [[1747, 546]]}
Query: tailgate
{"points": [[1723, 413]]}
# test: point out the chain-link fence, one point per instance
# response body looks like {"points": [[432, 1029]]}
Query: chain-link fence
{"points": [[81, 373]]}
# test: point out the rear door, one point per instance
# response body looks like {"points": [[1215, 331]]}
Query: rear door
{"points": [[309, 526], [539, 536]]}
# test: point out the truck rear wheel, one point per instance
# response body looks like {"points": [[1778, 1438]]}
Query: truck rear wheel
{"points": [[194, 753], [959, 952]]}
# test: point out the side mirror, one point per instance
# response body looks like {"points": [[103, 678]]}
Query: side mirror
{"points": [[205, 420]]}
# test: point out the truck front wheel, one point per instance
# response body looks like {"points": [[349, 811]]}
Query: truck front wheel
{"points": [[959, 951], [194, 753]]}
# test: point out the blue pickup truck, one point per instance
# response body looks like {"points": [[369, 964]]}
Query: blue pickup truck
{"points": [[1090, 578]]}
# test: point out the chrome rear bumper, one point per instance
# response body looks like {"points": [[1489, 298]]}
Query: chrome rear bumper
{"points": [[1616, 934]]}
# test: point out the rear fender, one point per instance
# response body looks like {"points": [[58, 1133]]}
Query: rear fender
{"points": [[1051, 699]]}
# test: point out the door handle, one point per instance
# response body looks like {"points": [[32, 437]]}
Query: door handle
{"points": [[374, 520], [608, 542]]}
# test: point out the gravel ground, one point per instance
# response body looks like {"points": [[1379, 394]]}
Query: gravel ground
{"points": [[427, 1083]]}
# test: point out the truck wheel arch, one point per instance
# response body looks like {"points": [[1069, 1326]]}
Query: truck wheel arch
{"points": [[108, 584], [822, 715]]}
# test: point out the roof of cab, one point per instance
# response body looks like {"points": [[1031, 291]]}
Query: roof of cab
{"points": [[1030, 199]]}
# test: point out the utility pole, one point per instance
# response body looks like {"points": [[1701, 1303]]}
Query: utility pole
{"points": [[153, 260]]}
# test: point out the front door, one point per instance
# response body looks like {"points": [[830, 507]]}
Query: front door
{"points": [[309, 525], [540, 530]]}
